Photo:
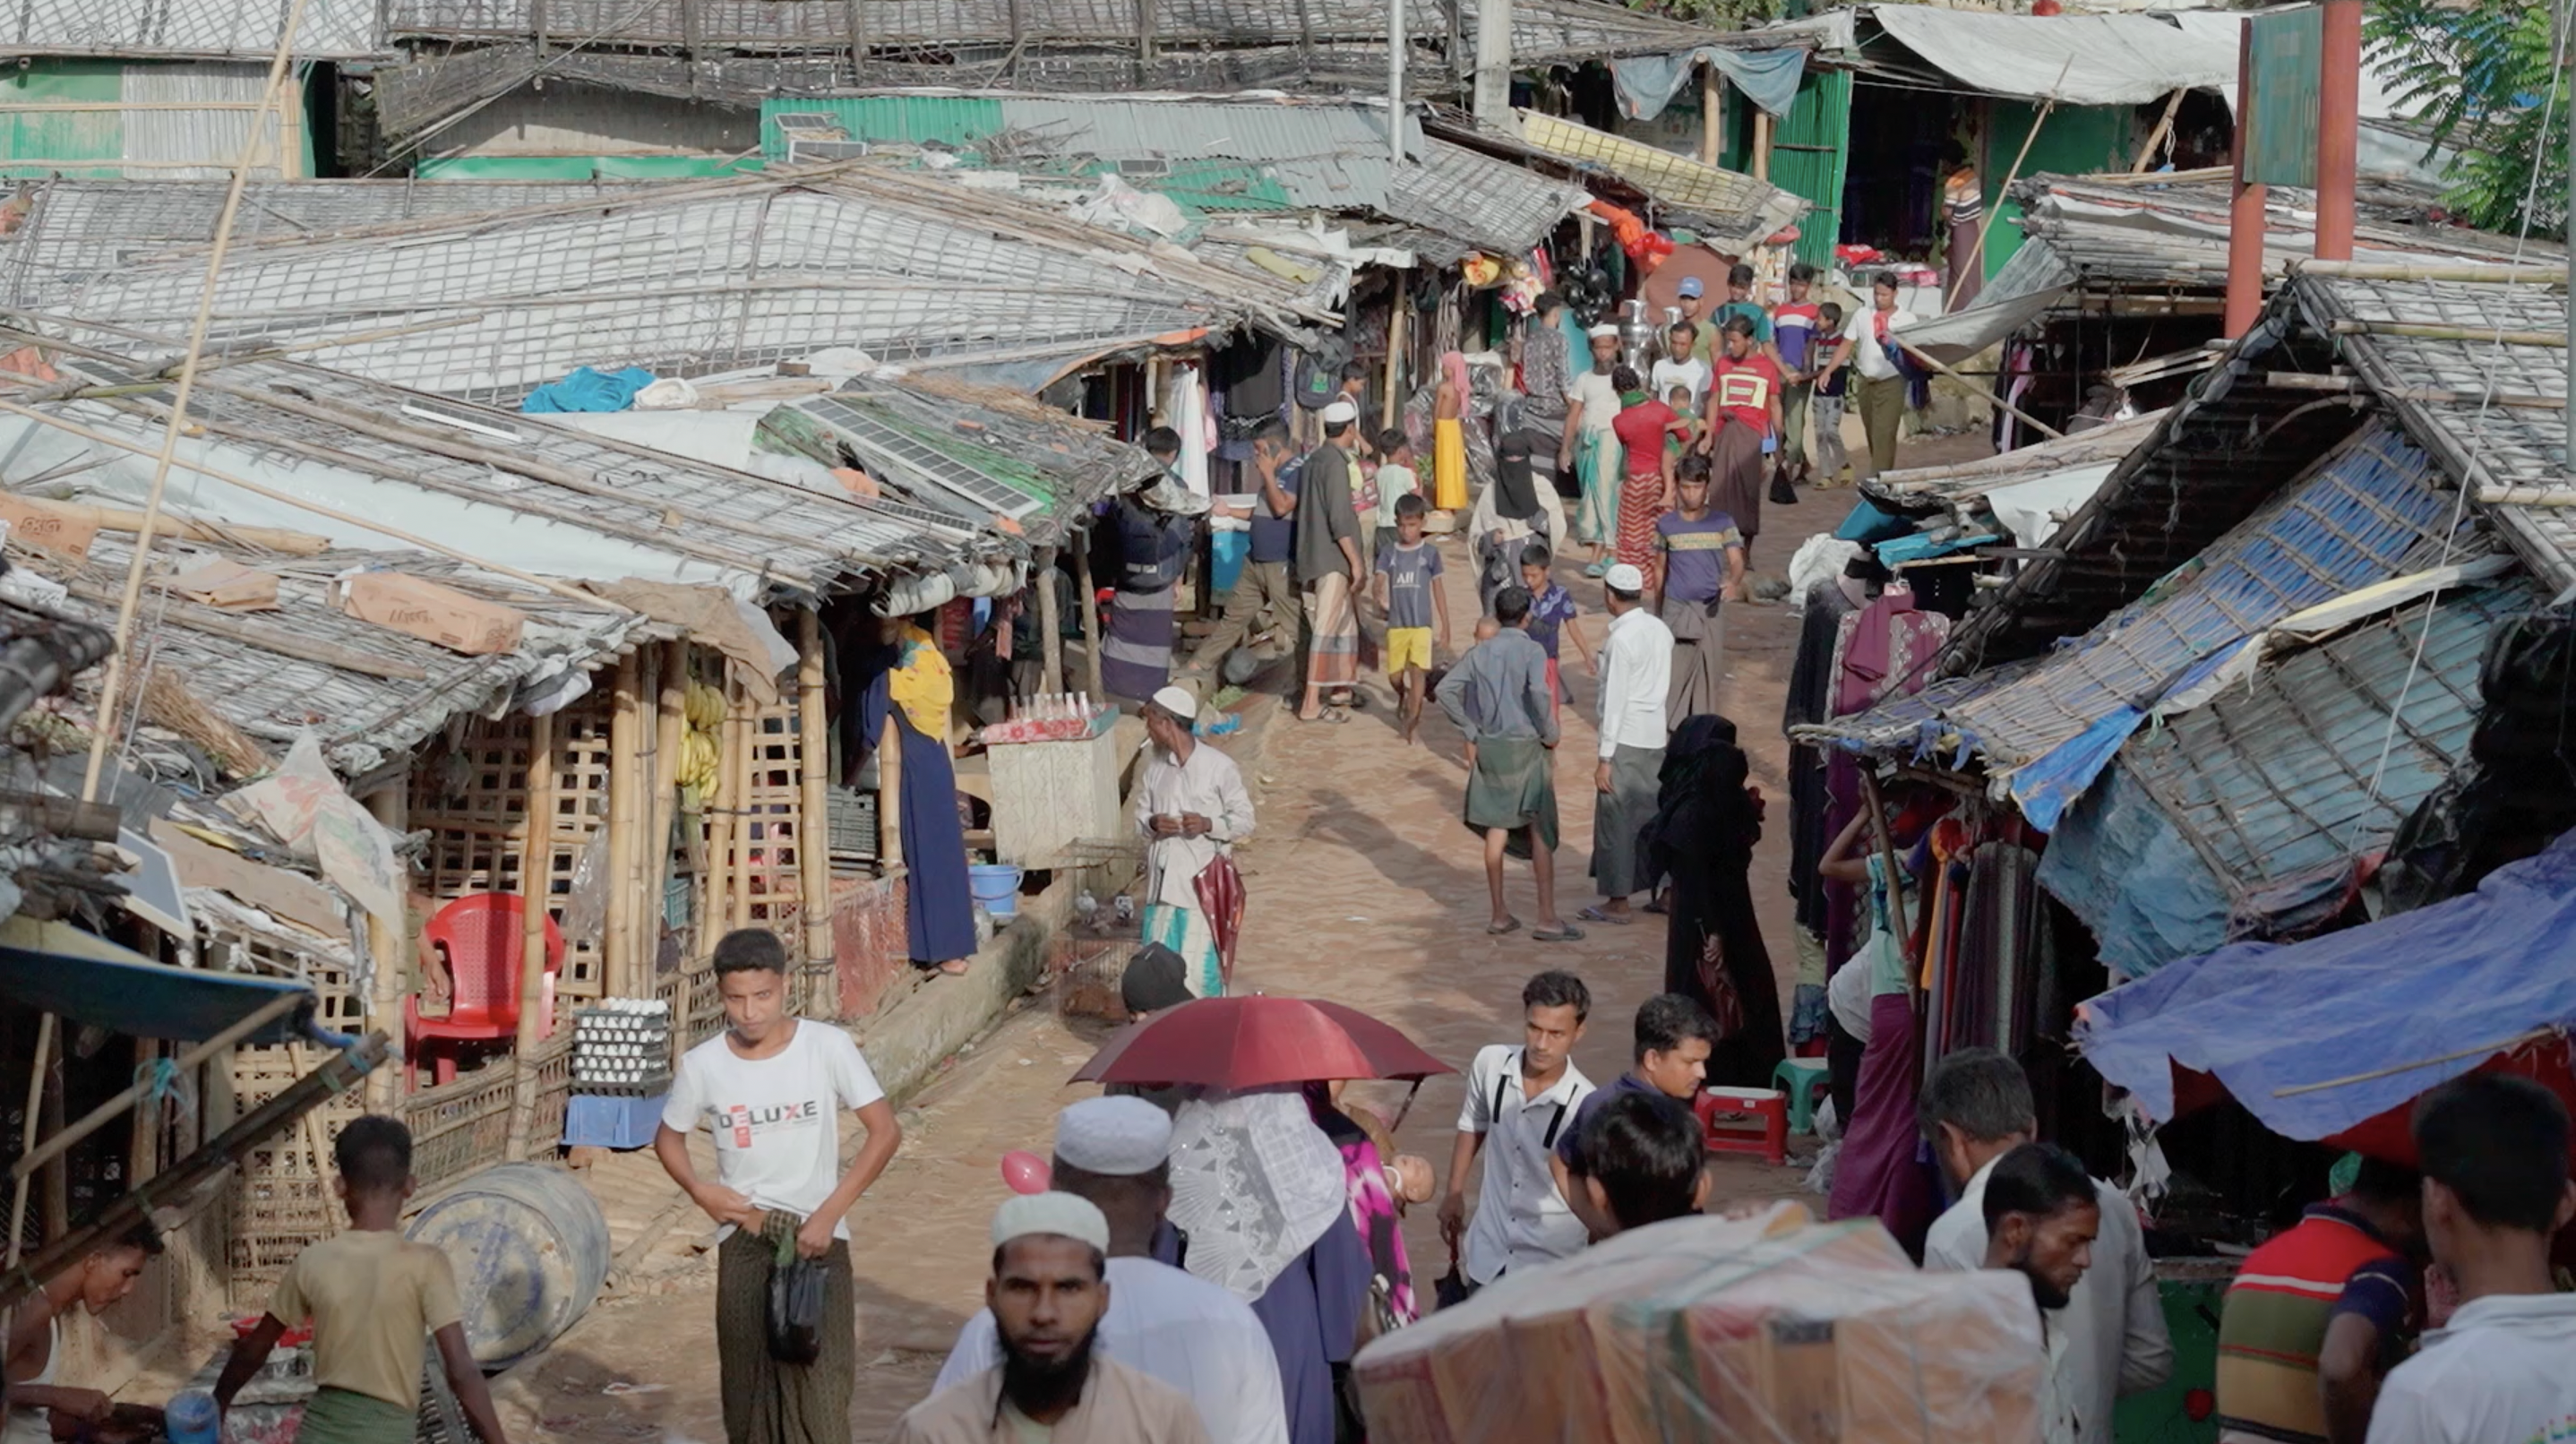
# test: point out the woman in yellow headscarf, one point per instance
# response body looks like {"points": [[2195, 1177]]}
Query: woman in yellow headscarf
{"points": [[913, 689], [1449, 434]]}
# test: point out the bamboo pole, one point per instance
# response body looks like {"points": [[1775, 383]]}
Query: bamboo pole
{"points": [[1878, 826], [814, 818], [536, 890], [1761, 144], [112, 685], [1987, 227], [390, 944], [1396, 341], [2424, 332], [2156, 137], [890, 794], [670, 728], [1712, 116], [737, 864], [1051, 621], [1090, 617], [27, 1133], [2486, 275], [34, 1157], [2501, 1045], [2026, 419], [625, 761]]}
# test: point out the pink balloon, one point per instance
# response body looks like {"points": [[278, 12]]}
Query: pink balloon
{"points": [[1025, 1172]]}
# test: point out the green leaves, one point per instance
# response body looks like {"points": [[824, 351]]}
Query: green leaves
{"points": [[2480, 78]]}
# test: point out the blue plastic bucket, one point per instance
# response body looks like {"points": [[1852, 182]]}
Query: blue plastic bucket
{"points": [[1227, 549], [997, 886]]}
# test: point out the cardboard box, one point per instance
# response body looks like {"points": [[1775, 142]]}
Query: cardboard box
{"points": [[433, 613], [45, 524], [1770, 1330], [229, 585]]}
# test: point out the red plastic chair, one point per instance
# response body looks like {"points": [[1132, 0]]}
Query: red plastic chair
{"points": [[483, 937]]}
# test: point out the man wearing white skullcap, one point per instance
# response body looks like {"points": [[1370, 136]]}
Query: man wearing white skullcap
{"points": [[1592, 449], [1049, 1291], [1636, 675], [1191, 809], [1330, 570], [1191, 1334]]}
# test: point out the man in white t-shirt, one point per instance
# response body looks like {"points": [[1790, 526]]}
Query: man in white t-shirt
{"points": [[1692, 373], [1518, 1101], [771, 1089], [2503, 1371]]}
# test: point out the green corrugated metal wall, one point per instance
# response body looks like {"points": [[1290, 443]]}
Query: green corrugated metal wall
{"points": [[919, 119], [2077, 140], [581, 167], [1811, 156], [64, 134]]}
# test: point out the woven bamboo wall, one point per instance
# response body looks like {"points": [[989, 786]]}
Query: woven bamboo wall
{"points": [[281, 1194], [768, 842]]}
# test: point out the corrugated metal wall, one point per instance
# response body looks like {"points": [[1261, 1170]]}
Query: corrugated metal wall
{"points": [[1811, 156], [2074, 140], [177, 120]]}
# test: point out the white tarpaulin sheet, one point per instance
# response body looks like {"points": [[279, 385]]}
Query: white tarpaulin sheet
{"points": [[2075, 59], [1961, 334], [2033, 510]]}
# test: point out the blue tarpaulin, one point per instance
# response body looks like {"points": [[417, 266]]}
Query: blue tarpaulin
{"points": [[55, 968], [1768, 78], [2469, 977], [588, 390]]}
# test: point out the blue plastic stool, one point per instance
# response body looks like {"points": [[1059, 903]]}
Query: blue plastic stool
{"points": [[1802, 1079]]}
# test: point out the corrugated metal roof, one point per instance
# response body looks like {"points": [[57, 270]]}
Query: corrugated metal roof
{"points": [[1967, 481], [167, 29], [2511, 453]]}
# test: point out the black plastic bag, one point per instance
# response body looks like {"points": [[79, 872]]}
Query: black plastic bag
{"points": [[1783, 493], [795, 1306]]}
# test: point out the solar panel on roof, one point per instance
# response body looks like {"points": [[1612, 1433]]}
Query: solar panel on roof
{"points": [[915, 461]]}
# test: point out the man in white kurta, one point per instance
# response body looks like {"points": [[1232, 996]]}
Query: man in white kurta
{"points": [[1192, 809]]}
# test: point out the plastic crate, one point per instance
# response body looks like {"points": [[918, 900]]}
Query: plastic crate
{"points": [[593, 1120]]}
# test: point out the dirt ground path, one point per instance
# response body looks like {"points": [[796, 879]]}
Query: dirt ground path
{"points": [[1364, 888]]}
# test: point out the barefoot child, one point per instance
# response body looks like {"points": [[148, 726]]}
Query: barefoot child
{"points": [[1408, 588], [375, 1299]]}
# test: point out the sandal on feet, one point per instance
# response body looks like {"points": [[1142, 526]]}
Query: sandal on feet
{"points": [[1561, 933], [1334, 715], [1596, 915], [1507, 925], [1597, 570]]}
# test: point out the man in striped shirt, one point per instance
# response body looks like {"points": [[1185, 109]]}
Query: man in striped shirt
{"points": [[2319, 1314]]}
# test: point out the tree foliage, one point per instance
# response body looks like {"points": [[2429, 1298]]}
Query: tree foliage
{"points": [[2482, 76], [1715, 14]]}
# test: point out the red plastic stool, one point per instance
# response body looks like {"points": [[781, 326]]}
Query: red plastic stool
{"points": [[1745, 1120]]}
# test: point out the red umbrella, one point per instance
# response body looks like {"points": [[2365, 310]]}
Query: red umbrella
{"points": [[1256, 1041]]}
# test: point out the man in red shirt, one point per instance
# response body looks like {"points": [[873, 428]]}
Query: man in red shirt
{"points": [[1743, 424]]}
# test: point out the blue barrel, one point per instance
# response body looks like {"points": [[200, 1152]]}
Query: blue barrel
{"points": [[1227, 549], [530, 1249]]}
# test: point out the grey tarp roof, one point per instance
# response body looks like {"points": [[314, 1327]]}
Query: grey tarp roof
{"points": [[192, 29], [2077, 59]]}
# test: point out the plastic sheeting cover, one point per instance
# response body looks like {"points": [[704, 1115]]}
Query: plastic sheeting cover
{"points": [[1768, 78], [1714, 1328], [2079, 59], [2456, 978]]}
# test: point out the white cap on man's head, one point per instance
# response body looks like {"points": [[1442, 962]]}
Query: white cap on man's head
{"points": [[1606, 328], [1624, 578], [1339, 411], [1178, 701], [1064, 1215], [1114, 1137]]}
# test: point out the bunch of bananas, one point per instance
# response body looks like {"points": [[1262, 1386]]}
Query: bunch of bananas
{"points": [[700, 759]]}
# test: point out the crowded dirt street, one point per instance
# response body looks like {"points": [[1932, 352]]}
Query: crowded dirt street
{"points": [[1366, 889]]}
